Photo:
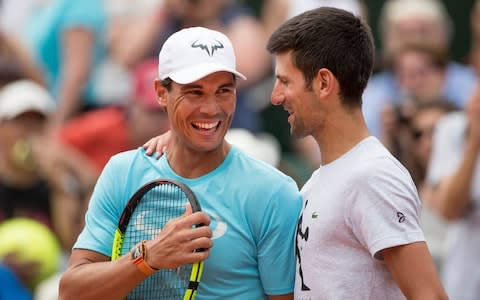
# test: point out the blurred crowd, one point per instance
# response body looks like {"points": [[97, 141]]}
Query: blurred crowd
{"points": [[76, 87]]}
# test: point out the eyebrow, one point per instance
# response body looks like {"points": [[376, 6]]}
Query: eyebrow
{"points": [[199, 86]]}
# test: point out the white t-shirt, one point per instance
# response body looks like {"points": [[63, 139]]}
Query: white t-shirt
{"points": [[461, 266], [354, 207]]}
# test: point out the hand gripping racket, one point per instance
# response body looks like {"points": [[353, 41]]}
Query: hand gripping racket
{"points": [[144, 216]]}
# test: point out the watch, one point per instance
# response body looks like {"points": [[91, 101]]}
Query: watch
{"points": [[138, 255]]}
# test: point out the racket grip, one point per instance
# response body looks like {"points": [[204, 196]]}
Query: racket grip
{"points": [[200, 249]]}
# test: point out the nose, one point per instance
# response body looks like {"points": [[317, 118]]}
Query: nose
{"points": [[209, 105], [277, 97]]}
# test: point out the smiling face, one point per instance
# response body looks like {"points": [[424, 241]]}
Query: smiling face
{"points": [[291, 92], [201, 112]]}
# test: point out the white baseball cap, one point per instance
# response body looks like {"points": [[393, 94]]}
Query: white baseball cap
{"points": [[22, 96], [195, 52]]}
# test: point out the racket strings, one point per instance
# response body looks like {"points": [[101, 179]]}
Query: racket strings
{"points": [[157, 206]]}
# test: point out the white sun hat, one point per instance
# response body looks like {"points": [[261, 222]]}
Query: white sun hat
{"points": [[23, 96]]}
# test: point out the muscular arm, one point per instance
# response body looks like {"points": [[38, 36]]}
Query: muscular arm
{"points": [[91, 275], [413, 270]]}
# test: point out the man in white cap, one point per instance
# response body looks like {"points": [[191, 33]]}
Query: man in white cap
{"points": [[251, 207]]}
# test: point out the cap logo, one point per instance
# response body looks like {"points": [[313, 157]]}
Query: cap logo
{"points": [[208, 46]]}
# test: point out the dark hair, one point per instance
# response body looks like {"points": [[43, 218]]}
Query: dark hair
{"points": [[329, 38], [167, 83]]}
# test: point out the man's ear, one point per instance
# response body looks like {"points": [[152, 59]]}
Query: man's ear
{"points": [[324, 83], [162, 94]]}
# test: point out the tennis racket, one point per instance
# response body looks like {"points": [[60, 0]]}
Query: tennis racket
{"points": [[144, 216]]}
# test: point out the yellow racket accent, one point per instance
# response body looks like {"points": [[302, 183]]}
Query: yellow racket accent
{"points": [[117, 244], [195, 276]]}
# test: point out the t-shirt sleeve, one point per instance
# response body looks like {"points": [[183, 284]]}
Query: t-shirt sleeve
{"points": [[88, 14], [104, 210], [276, 256], [385, 211]]}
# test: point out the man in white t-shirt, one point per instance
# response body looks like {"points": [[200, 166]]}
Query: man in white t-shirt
{"points": [[358, 235], [454, 174]]}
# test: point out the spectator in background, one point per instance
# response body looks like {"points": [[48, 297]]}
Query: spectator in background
{"points": [[423, 21], [420, 71], [35, 181], [24, 107], [454, 176], [24, 192], [421, 126], [66, 39]]}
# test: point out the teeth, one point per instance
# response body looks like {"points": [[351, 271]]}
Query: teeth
{"points": [[206, 125]]}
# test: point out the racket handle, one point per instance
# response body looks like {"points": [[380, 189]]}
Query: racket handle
{"points": [[200, 249]]}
